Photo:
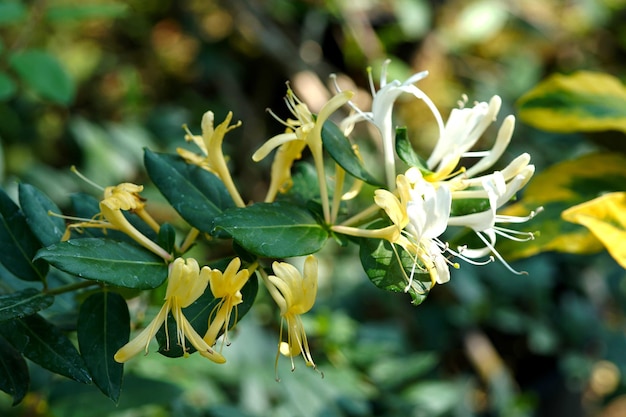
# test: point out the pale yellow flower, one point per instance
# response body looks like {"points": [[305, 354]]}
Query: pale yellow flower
{"points": [[212, 156], [294, 293], [281, 180], [186, 283], [227, 287]]}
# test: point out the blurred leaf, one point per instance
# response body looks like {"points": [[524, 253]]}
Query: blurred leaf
{"points": [[434, 398], [339, 147], [605, 218], [44, 74], [18, 245], [69, 399], [393, 372], [581, 102], [86, 11], [11, 12], [46, 345], [7, 86], [36, 206], [14, 377], [558, 188], [103, 327], [109, 261], [383, 268], [198, 314], [274, 230], [195, 193], [23, 303]]}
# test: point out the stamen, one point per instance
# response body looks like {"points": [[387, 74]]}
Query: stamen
{"points": [[84, 178]]}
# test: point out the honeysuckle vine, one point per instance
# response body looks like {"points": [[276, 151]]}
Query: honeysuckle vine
{"points": [[401, 226]]}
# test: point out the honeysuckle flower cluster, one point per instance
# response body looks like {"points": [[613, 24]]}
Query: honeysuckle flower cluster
{"points": [[408, 218]]}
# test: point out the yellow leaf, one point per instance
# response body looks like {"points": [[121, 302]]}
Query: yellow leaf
{"points": [[605, 217]]}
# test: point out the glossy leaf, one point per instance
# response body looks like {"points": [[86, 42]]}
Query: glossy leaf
{"points": [[274, 230], [46, 345], [109, 261], [104, 326], [14, 377], [18, 245], [581, 102], [36, 206], [340, 148], [556, 189], [405, 150], [198, 314], [23, 303], [383, 268], [195, 193], [44, 74]]}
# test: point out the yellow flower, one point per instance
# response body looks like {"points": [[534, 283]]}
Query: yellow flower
{"points": [[226, 286], [119, 198], [281, 168], [605, 217], [307, 129], [186, 283], [295, 295], [212, 156]]}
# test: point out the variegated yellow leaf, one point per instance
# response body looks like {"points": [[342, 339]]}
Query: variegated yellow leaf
{"points": [[581, 102]]}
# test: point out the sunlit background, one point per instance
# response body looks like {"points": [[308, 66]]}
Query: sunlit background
{"points": [[489, 343]]}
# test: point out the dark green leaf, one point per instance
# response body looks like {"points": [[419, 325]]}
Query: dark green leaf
{"points": [[274, 230], [103, 327], [464, 206], [44, 74], [36, 206], [195, 193], [167, 237], [11, 12], [7, 86], [339, 147], [405, 150], [86, 11], [46, 345], [18, 245], [14, 378], [198, 315], [23, 303], [117, 263], [383, 268], [69, 399]]}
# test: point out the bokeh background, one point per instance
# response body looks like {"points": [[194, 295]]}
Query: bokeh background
{"points": [[129, 74]]}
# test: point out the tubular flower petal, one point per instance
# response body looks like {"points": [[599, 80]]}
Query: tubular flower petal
{"points": [[186, 283], [212, 157], [295, 294], [307, 129], [281, 168], [226, 286]]}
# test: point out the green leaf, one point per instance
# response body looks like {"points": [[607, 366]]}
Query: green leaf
{"points": [[103, 327], [385, 271], [464, 206], [86, 11], [556, 189], [36, 206], [195, 193], [23, 303], [7, 86], [11, 12], [581, 102], [198, 314], [14, 377], [18, 245], [46, 345], [167, 237], [44, 74], [116, 263], [274, 230], [405, 150], [340, 148]]}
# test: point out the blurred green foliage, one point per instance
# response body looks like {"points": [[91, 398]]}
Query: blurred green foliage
{"points": [[92, 83]]}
